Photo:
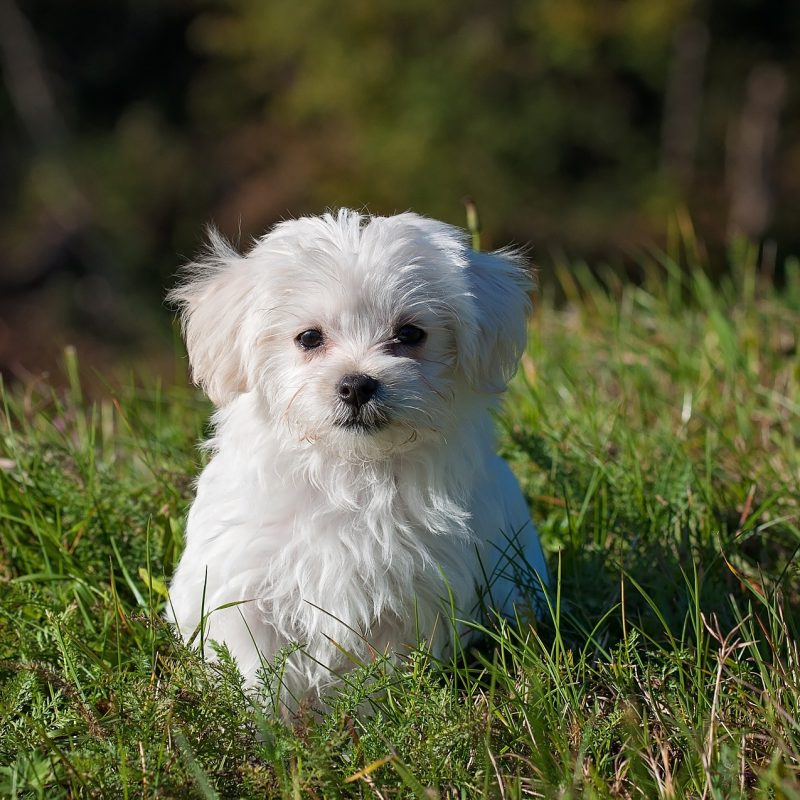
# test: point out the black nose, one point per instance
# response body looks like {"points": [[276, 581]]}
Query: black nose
{"points": [[356, 390]]}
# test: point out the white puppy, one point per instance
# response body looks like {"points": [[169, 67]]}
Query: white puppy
{"points": [[354, 502]]}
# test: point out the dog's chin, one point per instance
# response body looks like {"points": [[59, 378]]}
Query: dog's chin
{"points": [[362, 426], [367, 437], [367, 421]]}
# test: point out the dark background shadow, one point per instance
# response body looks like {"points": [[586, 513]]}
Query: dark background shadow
{"points": [[578, 126]]}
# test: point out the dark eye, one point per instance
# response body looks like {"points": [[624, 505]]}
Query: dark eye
{"points": [[311, 339], [410, 335]]}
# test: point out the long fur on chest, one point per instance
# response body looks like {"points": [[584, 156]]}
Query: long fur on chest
{"points": [[365, 555]]}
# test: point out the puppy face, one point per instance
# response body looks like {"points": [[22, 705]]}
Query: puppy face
{"points": [[361, 333]]}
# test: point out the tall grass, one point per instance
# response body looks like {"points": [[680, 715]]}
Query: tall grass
{"points": [[655, 429]]}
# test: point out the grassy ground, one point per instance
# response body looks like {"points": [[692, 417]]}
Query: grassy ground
{"points": [[655, 431]]}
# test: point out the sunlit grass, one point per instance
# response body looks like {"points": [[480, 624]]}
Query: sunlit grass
{"points": [[655, 429]]}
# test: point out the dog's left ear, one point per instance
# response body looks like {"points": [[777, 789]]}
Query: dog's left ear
{"points": [[493, 339]]}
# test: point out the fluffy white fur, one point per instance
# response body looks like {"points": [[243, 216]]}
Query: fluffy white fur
{"points": [[350, 539]]}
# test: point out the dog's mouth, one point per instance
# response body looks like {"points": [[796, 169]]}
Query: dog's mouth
{"points": [[365, 420], [361, 426]]}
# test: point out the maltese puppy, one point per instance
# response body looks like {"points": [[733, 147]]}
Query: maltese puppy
{"points": [[354, 502]]}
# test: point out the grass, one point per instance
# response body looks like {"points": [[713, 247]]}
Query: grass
{"points": [[654, 428]]}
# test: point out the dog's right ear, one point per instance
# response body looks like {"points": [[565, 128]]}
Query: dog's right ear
{"points": [[215, 299]]}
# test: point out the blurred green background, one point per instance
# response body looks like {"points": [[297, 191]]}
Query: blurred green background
{"points": [[578, 126]]}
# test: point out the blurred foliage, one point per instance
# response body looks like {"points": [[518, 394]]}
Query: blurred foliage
{"points": [[577, 125]]}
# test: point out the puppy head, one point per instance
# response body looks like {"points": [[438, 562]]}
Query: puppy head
{"points": [[361, 333]]}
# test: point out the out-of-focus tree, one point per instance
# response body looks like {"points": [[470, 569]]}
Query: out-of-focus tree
{"points": [[548, 112], [576, 124]]}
